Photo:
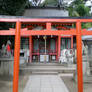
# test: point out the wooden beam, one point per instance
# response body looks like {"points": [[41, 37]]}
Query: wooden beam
{"points": [[25, 32], [7, 32], [86, 32], [8, 20], [24, 19], [50, 32], [40, 32], [85, 20], [47, 20], [36, 20]]}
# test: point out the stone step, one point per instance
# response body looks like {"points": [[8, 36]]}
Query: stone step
{"points": [[45, 64], [87, 79], [66, 75], [48, 66], [45, 73], [47, 69], [57, 65]]}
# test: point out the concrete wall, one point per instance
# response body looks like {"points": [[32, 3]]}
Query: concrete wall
{"points": [[45, 13]]}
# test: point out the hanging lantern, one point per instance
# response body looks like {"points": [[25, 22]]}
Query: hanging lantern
{"points": [[44, 37], [38, 36], [51, 36]]}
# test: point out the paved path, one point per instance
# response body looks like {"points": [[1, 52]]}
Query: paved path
{"points": [[45, 83]]}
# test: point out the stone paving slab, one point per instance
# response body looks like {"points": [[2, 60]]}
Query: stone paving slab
{"points": [[45, 83]]}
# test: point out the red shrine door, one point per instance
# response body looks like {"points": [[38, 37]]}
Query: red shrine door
{"points": [[44, 50], [66, 42]]}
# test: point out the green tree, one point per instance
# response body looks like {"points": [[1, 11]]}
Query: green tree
{"points": [[50, 2], [78, 8], [12, 7], [45, 3]]}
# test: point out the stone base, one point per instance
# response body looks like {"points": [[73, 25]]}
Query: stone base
{"points": [[86, 71], [6, 68]]}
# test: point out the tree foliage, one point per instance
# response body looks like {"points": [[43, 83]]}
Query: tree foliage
{"points": [[78, 8], [12, 7], [50, 2], [45, 3], [83, 10]]}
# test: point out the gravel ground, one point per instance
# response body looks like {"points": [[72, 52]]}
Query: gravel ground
{"points": [[72, 85]]}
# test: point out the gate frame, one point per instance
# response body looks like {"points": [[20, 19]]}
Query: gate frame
{"points": [[78, 32]]}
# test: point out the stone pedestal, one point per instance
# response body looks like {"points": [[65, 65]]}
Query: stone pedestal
{"points": [[6, 68], [86, 70]]}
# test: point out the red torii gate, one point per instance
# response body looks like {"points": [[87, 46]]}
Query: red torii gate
{"points": [[78, 32]]}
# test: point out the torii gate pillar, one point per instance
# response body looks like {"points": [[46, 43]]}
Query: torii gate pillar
{"points": [[79, 57]]}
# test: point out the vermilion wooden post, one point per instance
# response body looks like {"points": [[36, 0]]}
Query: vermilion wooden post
{"points": [[30, 48], [48, 26], [71, 41], [59, 46], [16, 57], [79, 57], [56, 43]]}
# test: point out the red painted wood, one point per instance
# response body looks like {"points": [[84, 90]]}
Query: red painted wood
{"points": [[72, 42], [79, 57], [25, 20], [26, 32], [59, 46], [56, 49], [48, 26], [16, 57], [7, 32], [39, 32], [30, 48], [86, 32]]}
